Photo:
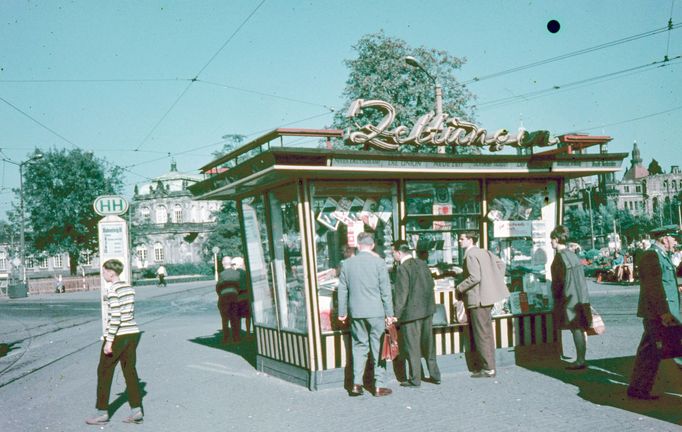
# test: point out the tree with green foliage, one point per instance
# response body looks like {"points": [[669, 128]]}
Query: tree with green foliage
{"points": [[59, 192], [227, 233], [654, 168], [380, 72]]}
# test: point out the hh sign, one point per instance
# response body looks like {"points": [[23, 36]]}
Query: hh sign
{"points": [[110, 205]]}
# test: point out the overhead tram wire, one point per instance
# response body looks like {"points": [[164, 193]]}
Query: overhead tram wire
{"points": [[196, 77], [646, 116], [581, 83], [667, 28]]}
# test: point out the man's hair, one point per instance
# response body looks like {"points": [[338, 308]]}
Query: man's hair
{"points": [[365, 238], [226, 261], [115, 265], [560, 234], [401, 246], [473, 235]]}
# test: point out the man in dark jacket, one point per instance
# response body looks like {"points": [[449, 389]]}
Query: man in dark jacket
{"points": [[230, 283], [414, 306], [659, 307]]}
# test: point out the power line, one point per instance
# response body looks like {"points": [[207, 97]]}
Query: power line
{"points": [[629, 120], [196, 77], [96, 80], [580, 83], [668, 28]]}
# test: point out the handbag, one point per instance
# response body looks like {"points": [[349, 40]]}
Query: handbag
{"points": [[597, 326], [459, 312], [389, 348], [670, 344]]}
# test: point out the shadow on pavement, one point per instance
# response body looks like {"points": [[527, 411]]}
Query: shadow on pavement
{"points": [[122, 398], [246, 348], [605, 382], [6, 348]]}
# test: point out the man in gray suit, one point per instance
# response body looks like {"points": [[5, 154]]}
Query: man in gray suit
{"points": [[483, 286], [414, 306], [365, 292]]}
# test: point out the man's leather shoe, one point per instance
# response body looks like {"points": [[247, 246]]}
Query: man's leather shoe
{"points": [[484, 374], [641, 395], [382, 391], [408, 384], [431, 380], [356, 390]]}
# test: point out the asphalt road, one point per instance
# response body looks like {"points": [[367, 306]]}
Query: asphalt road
{"points": [[191, 382]]}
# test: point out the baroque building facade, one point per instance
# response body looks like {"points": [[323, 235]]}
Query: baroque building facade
{"points": [[170, 227]]}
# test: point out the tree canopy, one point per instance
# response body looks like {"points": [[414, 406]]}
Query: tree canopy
{"points": [[59, 192], [227, 234], [380, 72], [654, 168]]}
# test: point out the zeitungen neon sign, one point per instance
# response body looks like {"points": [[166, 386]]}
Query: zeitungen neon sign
{"points": [[432, 130]]}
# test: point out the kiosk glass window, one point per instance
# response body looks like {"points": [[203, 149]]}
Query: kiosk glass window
{"points": [[287, 260], [258, 250], [437, 211], [521, 214], [342, 210]]}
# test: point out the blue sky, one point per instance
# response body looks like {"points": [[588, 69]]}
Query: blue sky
{"points": [[114, 77]]}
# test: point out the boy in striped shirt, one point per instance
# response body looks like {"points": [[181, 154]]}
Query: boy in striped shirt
{"points": [[120, 344]]}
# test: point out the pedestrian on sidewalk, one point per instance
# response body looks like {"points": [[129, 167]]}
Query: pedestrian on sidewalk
{"points": [[364, 293], [230, 282], [483, 285], [659, 307], [121, 338], [414, 306], [161, 273], [569, 290]]}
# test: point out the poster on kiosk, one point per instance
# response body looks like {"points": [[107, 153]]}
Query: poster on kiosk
{"points": [[113, 241]]}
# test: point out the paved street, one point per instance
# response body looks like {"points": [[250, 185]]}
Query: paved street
{"points": [[48, 377]]}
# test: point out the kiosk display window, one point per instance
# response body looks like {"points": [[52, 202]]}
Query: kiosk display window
{"points": [[342, 210], [436, 213], [258, 250], [287, 262], [520, 217]]}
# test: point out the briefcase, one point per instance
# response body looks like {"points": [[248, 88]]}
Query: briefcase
{"points": [[670, 344]]}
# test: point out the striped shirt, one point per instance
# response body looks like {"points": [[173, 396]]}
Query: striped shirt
{"points": [[121, 311]]}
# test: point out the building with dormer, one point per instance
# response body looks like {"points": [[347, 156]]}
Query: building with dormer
{"points": [[170, 227]]}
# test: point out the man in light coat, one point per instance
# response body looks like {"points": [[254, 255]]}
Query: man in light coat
{"points": [[365, 294], [483, 285]]}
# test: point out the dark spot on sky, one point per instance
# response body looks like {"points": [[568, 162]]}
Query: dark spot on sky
{"points": [[553, 26]]}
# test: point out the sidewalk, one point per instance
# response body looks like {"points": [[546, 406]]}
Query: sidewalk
{"points": [[194, 384]]}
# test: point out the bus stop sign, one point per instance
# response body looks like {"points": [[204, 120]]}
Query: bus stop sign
{"points": [[110, 205]]}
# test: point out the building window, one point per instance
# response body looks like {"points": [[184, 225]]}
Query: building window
{"points": [[638, 189], [161, 215], [626, 189], [177, 213], [144, 213], [142, 253], [3, 261], [158, 252], [29, 262], [43, 262], [86, 258], [57, 261]]}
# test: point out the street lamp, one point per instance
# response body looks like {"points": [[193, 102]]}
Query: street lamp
{"points": [[589, 203], [438, 90], [22, 239]]}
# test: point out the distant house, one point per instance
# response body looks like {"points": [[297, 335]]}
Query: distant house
{"points": [[169, 226]]}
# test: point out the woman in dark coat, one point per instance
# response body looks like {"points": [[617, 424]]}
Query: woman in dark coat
{"points": [[569, 289]]}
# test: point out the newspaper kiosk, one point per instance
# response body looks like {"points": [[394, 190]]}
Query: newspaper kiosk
{"points": [[301, 209]]}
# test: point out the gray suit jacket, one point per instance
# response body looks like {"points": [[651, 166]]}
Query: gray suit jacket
{"points": [[483, 283], [414, 298], [364, 287]]}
